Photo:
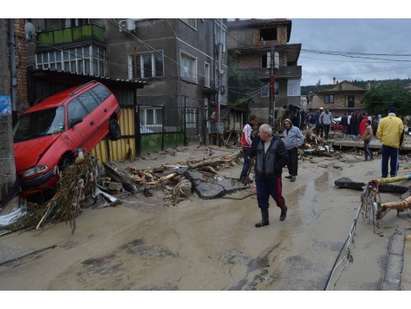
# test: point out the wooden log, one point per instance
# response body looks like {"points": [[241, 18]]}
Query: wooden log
{"points": [[117, 174], [214, 161]]}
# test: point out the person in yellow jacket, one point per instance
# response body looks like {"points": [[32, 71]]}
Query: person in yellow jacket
{"points": [[391, 133]]}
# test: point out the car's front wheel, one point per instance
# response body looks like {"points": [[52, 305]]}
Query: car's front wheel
{"points": [[114, 131]]}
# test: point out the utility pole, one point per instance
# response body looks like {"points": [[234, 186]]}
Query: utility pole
{"points": [[271, 103], [273, 62]]}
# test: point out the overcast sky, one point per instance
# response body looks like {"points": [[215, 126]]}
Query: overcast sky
{"points": [[352, 35]]}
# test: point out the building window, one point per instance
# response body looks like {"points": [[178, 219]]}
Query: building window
{"points": [[207, 74], [81, 60], [265, 91], [266, 60], [269, 34], [188, 67], [351, 101], [329, 99], [191, 118], [191, 22], [151, 117], [150, 65]]}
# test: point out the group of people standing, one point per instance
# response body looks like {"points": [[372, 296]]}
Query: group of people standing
{"points": [[271, 153], [321, 122], [390, 131]]}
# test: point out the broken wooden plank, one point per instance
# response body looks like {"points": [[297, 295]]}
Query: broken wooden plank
{"points": [[117, 174]]}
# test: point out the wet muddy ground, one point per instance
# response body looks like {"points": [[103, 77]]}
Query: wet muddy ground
{"points": [[210, 244]]}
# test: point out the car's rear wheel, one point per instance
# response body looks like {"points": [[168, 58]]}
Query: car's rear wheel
{"points": [[114, 132]]}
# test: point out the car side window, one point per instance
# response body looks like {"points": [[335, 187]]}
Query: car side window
{"points": [[76, 110], [89, 101], [101, 92]]}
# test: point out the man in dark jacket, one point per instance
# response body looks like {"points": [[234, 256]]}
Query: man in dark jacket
{"points": [[271, 157]]}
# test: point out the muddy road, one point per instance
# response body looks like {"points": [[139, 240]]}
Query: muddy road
{"points": [[203, 244]]}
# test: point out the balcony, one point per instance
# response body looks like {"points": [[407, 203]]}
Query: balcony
{"points": [[70, 35], [289, 72]]}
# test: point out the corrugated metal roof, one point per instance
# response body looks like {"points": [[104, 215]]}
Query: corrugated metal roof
{"points": [[46, 73]]}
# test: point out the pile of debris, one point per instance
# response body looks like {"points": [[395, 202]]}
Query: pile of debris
{"points": [[178, 180], [316, 146], [372, 208], [81, 186], [76, 183]]}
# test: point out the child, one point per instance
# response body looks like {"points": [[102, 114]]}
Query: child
{"points": [[366, 137]]}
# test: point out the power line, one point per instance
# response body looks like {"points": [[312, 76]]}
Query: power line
{"points": [[357, 55], [344, 61], [154, 49], [174, 61], [341, 54], [363, 53]]}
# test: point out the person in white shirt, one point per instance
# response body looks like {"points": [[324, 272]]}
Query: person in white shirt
{"points": [[246, 143], [326, 119]]}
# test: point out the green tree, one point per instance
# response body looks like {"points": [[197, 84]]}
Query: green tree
{"points": [[378, 99]]}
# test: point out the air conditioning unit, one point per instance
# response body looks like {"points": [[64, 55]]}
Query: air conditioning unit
{"points": [[30, 31], [127, 25]]}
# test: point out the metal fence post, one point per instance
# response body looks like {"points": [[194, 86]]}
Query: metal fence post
{"points": [[137, 131], [184, 123], [162, 127]]}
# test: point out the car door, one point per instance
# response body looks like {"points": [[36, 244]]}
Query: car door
{"points": [[108, 104], [94, 119], [78, 131]]}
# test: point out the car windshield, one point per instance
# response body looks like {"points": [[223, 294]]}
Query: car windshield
{"points": [[41, 123]]}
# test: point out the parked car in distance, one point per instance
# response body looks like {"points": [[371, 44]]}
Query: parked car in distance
{"points": [[48, 135], [336, 124]]}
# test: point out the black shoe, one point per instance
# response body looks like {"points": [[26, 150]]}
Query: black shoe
{"points": [[283, 213], [264, 218], [288, 177], [261, 224]]}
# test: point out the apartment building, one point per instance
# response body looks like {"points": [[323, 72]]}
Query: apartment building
{"points": [[253, 45]]}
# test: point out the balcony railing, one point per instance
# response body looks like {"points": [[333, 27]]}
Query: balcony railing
{"points": [[70, 35], [289, 72]]}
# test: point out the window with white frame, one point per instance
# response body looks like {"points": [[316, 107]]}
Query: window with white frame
{"points": [[191, 118], [207, 74], [88, 60], [188, 67], [191, 22], [151, 117], [150, 65]]}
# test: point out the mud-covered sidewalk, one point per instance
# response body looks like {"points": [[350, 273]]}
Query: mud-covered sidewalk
{"points": [[208, 244]]}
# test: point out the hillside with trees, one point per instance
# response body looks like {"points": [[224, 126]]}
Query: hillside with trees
{"points": [[305, 90]]}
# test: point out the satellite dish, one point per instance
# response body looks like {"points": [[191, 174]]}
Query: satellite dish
{"points": [[30, 31]]}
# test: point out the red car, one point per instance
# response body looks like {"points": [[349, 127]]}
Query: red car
{"points": [[48, 135]]}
